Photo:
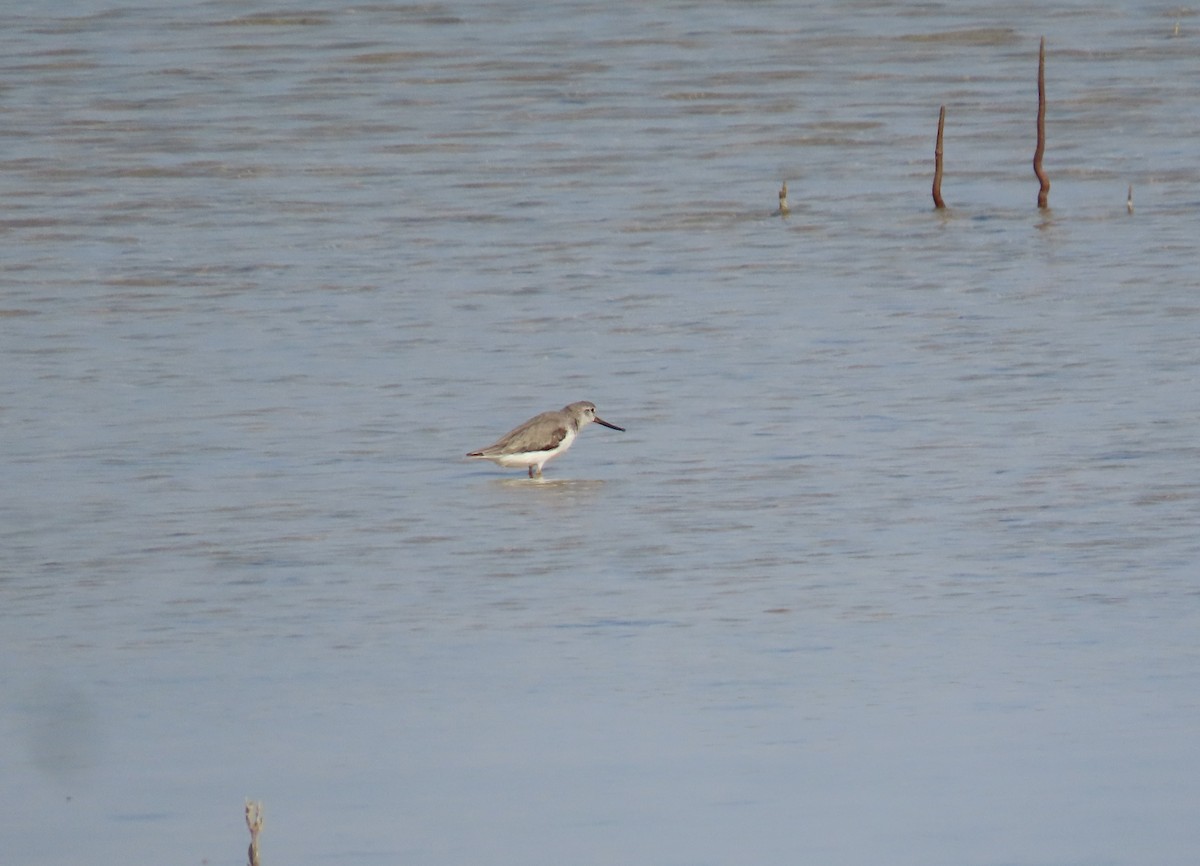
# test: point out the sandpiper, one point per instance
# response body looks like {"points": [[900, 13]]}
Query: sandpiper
{"points": [[541, 438]]}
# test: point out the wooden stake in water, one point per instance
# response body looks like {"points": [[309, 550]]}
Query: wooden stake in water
{"points": [[254, 821], [1044, 192], [937, 161]]}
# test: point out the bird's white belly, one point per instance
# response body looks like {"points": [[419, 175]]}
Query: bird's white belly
{"points": [[535, 458]]}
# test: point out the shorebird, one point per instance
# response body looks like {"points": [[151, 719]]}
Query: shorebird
{"points": [[541, 438]]}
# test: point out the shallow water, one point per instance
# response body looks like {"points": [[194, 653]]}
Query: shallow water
{"points": [[896, 561]]}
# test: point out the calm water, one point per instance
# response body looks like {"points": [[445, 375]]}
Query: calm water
{"points": [[896, 564]]}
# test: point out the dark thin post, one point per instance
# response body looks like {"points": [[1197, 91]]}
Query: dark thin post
{"points": [[1044, 192], [937, 161]]}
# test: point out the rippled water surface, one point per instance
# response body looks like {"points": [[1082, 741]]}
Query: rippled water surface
{"points": [[897, 561]]}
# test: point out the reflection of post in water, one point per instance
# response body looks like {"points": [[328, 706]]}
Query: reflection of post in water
{"points": [[1040, 150], [937, 161]]}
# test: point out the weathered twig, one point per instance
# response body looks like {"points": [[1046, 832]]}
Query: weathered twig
{"points": [[1044, 192], [254, 821], [937, 161]]}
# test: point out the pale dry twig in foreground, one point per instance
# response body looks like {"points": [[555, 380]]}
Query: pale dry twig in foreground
{"points": [[254, 821]]}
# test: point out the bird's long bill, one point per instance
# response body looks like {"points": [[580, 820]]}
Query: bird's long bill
{"points": [[600, 420]]}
